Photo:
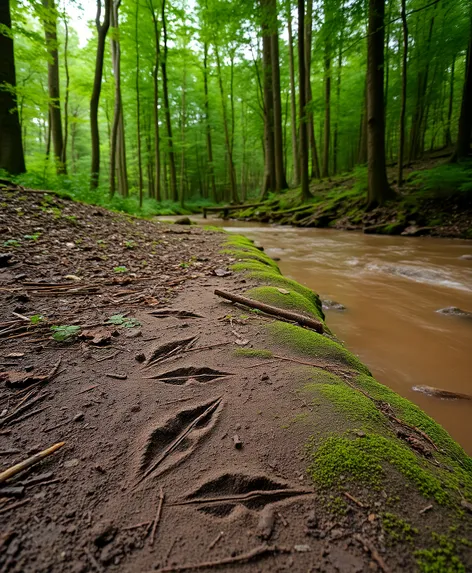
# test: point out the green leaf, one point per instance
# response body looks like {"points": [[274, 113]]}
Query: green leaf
{"points": [[65, 332], [120, 269], [36, 318], [121, 320]]}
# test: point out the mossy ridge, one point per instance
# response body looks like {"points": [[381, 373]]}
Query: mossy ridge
{"points": [[311, 344], [253, 353], [251, 255], [254, 266], [339, 459], [440, 559], [290, 300], [413, 415]]}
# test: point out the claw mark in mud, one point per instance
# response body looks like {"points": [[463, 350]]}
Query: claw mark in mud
{"points": [[221, 495], [180, 376], [169, 349], [177, 438], [166, 312]]}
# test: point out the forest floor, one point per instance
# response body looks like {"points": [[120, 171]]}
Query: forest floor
{"points": [[435, 200], [187, 447]]}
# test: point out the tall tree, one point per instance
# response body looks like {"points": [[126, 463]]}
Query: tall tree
{"points": [[465, 120], [210, 167], [401, 148], [138, 107], [155, 106], [305, 190], [379, 190], [327, 69], [11, 147], [165, 88], [50, 32], [293, 103], [269, 182], [315, 166], [102, 30]]}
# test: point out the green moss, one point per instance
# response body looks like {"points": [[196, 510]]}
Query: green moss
{"points": [[339, 459], [398, 529], [413, 415], [239, 241], [214, 229], [251, 255], [254, 266], [441, 559], [337, 506], [253, 353], [311, 344], [290, 300]]}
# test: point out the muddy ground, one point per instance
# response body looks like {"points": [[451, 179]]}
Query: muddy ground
{"points": [[178, 454]]}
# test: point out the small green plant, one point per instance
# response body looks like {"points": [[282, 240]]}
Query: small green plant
{"points": [[36, 319], [120, 269], [184, 265], [71, 218], [121, 320], [33, 237], [65, 332], [130, 244], [11, 243]]}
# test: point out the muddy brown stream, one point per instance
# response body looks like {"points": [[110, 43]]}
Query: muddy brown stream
{"points": [[391, 288]]}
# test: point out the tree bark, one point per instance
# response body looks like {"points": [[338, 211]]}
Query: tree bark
{"points": [[379, 190], [315, 166], [66, 97], [50, 31], [327, 123], [403, 92], [210, 167], [362, 158], [182, 137], [170, 141], [11, 147], [280, 179], [302, 89], [293, 103], [102, 30], [155, 107], [447, 135], [269, 183], [138, 109], [338, 109], [465, 119]]}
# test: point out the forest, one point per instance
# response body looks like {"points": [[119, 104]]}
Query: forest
{"points": [[157, 103]]}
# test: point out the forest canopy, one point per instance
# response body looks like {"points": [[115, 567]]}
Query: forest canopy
{"points": [[220, 100]]}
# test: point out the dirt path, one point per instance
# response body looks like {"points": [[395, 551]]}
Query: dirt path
{"points": [[188, 436]]}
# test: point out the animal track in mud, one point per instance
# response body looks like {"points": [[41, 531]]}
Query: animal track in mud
{"points": [[177, 438], [221, 495], [180, 376], [166, 312], [169, 349]]}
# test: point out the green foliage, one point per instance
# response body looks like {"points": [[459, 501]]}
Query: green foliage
{"points": [[65, 333], [398, 529], [33, 237], [36, 319], [441, 559], [122, 320], [448, 179], [120, 269], [11, 243]]}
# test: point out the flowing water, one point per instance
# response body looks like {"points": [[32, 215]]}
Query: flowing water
{"points": [[391, 287]]}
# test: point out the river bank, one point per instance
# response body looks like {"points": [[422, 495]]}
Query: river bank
{"points": [[436, 200], [225, 437]]}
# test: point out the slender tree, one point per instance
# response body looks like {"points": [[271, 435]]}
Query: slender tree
{"points": [[315, 166], [293, 103], [138, 107], [462, 149], [404, 86], [50, 32], [102, 30], [210, 167], [155, 107], [379, 190], [305, 190], [11, 147]]}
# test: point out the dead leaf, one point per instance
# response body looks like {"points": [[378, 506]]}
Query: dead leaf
{"points": [[15, 355], [283, 290], [14, 379], [97, 335], [372, 517], [221, 272], [73, 277], [242, 341]]}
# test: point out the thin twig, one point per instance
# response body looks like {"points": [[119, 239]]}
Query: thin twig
{"points": [[373, 552], [14, 505], [215, 541], [158, 515], [353, 499]]}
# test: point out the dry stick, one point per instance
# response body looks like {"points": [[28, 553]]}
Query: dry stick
{"points": [[241, 558], [353, 499], [14, 505], [17, 468], [29, 414], [182, 436], [142, 524], [374, 553], [21, 409], [215, 541], [158, 515], [87, 389], [108, 357], [245, 496], [273, 310]]}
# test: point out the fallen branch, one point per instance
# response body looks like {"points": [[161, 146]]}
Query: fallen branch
{"points": [[158, 515], [17, 468], [273, 310], [373, 552], [256, 553], [353, 499]]}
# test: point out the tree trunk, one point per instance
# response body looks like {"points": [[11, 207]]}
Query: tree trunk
{"points": [[362, 159], [232, 172], [280, 179], [50, 31], [305, 191], [170, 142], [66, 98], [269, 183], [138, 109], [315, 166], [102, 30], [11, 147], [327, 123], [293, 104], [182, 137], [403, 91], [447, 135], [465, 119], [210, 167], [338, 109], [155, 107], [379, 190]]}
